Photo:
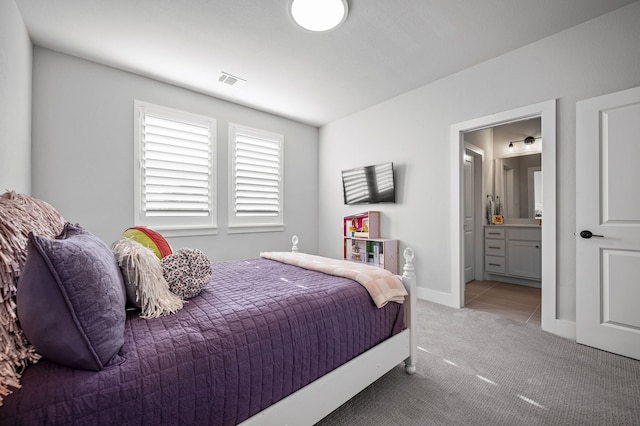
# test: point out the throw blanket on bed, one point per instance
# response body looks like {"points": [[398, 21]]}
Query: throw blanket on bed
{"points": [[382, 285]]}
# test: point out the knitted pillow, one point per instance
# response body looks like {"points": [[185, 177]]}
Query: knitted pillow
{"points": [[71, 299], [146, 287], [19, 215], [187, 271], [150, 239]]}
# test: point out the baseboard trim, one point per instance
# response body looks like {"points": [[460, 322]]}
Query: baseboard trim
{"points": [[565, 329], [439, 297]]}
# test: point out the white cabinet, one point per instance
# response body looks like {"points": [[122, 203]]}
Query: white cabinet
{"points": [[494, 251], [495, 264], [524, 259], [513, 251]]}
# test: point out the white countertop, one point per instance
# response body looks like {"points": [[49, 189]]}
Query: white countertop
{"points": [[515, 225]]}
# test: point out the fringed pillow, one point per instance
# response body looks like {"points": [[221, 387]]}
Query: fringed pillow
{"points": [[187, 271], [19, 215], [142, 272]]}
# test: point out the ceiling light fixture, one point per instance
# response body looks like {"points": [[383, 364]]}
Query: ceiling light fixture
{"points": [[318, 15], [510, 146]]}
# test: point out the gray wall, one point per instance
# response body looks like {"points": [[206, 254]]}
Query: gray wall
{"points": [[82, 160], [413, 131], [15, 101]]}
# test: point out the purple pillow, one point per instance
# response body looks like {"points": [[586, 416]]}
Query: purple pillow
{"points": [[71, 299]]}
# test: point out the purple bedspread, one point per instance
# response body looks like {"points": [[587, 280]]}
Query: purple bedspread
{"points": [[259, 331]]}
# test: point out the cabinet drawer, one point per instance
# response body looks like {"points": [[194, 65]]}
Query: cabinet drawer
{"points": [[494, 233], [526, 234], [494, 247], [494, 264]]}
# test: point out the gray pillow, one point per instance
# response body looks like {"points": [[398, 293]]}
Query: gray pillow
{"points": [[71, 299]]}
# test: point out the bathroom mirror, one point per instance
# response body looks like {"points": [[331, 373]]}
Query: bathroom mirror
{"points": [[518, 183]]}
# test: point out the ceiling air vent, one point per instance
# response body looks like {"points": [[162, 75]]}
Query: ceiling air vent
{"points": [[231, 80]]}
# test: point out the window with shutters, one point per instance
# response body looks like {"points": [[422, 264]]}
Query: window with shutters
{"points": [[255, 195], [175, 188]]}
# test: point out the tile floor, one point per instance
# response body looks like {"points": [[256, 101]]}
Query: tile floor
{"points": [[517, 302]]}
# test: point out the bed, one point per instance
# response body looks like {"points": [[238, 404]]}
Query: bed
{"points": [[265, 343]]}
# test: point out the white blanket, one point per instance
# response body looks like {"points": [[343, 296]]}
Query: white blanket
{"points": [[382, 285]]}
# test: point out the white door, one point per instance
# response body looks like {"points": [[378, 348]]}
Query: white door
{"points": [[608, 222], [469, 215]]}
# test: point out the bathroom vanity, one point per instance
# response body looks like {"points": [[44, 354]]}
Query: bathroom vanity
{"points": [[513, 253]]}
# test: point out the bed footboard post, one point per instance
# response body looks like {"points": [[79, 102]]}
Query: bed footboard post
{"points": [[409, 281], [294, 241]]}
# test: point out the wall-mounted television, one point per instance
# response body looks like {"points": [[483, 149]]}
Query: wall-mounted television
{"points": [[369, 185]]}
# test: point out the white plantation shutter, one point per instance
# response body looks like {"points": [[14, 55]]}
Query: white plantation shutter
{"points": [[256, 167], [176, 169]]}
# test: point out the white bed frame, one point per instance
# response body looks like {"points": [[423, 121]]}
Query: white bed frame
{"points": [[315, 401]]}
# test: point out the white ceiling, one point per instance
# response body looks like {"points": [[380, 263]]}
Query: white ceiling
{"points": [[384, 48]]}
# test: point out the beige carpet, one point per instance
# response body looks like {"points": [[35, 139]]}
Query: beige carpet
{"points": [[476, 368]]}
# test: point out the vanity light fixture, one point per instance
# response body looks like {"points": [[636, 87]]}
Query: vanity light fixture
{"points": [[528, 143], [318, 15]]}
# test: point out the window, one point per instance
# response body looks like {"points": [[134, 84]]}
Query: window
{"points": [[175, 188], [256, 195]]}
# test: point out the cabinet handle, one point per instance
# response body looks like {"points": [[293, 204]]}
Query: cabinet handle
{"points": [[494, 247], [494, 264], [493, 233], [537, 246]]}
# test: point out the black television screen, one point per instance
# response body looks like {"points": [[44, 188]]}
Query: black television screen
{"points": [[369, 185]]}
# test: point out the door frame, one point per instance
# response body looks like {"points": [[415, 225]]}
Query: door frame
{"points": [[547, 111], [478, 210]]}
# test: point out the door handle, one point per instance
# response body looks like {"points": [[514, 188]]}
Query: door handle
{"points": [[588, 234]]}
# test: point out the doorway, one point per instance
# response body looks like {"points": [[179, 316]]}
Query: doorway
{"points": [[547, 112], [510, 164]]}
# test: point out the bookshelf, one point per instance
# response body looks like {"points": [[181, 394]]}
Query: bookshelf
{"points": [[362, 242]]}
